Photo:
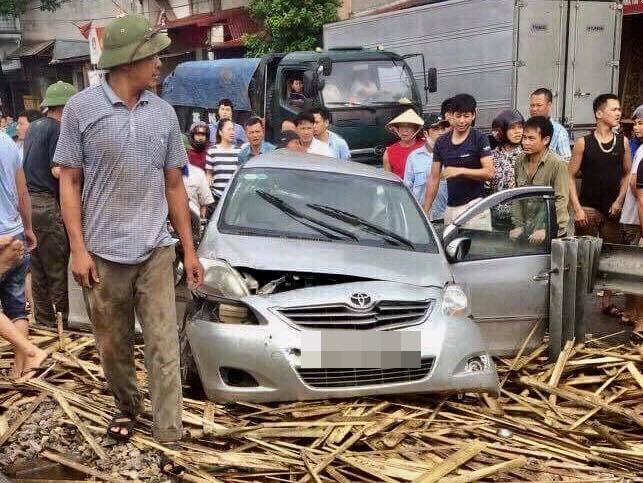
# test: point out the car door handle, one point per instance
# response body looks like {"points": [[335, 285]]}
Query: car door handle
{"points": [[544, 276]]}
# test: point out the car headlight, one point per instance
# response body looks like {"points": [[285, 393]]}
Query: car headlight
{"points": [[455, 302], [221, 282]]}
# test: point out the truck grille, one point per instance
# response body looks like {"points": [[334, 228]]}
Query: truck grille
{"points": [[357, 377], [386, 314]]}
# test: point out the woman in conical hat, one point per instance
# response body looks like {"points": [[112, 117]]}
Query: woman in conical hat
{"points": [[406, 126]]}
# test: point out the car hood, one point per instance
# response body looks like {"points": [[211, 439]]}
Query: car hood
{"points": [[309, 256]]}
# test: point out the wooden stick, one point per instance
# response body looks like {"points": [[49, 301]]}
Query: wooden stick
{"points": [[522, 348], [635, 373], [22, 418], [584, 399], [452, 463], [309, 466], [329, 459], [605, 433], [491, 470], [79, 467], [558, 368], [80, 426]]}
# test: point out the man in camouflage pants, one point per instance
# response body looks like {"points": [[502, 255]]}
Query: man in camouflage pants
{"points": [[50, 259]]}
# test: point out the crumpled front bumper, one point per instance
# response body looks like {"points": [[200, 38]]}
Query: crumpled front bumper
{"points": [[270, 353]]}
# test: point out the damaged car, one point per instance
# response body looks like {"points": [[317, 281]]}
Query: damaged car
{"points": [[325, 279]]}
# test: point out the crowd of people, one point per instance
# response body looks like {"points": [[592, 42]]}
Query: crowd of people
{"points": [[96, 178]]}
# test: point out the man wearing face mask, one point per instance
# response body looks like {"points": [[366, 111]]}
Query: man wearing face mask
{"points": [[418, 166], [199, 142]]}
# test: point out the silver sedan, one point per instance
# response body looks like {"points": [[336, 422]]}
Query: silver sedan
{"points": [[324, 279]]}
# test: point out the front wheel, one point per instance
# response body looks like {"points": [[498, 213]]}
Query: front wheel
{"points": [[190, 378]]}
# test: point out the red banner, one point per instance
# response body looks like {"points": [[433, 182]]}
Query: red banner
{"points": [[632, 6]]}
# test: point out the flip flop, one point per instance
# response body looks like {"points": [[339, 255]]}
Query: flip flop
{"points": [[613, 311], [169, 467], [121, 421]]}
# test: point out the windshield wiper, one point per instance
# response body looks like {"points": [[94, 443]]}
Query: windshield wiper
{"points": [[308, 221], [352, 104], [355, 220]]}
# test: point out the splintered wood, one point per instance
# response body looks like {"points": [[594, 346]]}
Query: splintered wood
{"points": [[577, 419]]}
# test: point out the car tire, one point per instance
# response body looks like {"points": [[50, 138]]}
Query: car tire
{"points": [[190, 378]]}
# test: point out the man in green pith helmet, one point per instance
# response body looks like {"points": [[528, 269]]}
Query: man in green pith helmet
{"points": [[121, 145], [50, 259]]}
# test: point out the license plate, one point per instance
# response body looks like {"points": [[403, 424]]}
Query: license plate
{"points": [[344, 349]]}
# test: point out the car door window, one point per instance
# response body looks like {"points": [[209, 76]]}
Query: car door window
{"points": [[520, 226]]}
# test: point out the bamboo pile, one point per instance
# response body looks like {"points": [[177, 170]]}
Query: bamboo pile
{"points": [[578, 419]]}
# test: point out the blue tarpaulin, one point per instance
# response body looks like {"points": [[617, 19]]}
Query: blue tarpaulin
{"points": [[203, 83]]}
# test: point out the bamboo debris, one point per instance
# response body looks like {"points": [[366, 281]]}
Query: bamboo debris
{"points": [[578, 419]]}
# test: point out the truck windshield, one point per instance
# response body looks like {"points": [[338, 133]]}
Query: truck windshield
{"points": [[333, 207], [367, 83]]}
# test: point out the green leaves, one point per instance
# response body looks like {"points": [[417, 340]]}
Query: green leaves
{"points": [[17, 7], [289, 25]]}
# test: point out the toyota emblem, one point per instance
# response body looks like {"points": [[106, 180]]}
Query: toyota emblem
{"points": [[379, 150], [360, 300]]}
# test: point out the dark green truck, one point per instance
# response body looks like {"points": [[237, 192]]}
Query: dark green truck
{"points": [[363, 89]]}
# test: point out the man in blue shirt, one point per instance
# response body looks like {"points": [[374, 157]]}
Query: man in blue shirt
{"points": [[337, 144], [540, 105], [418, 166], [225, 110], [256, 144]]}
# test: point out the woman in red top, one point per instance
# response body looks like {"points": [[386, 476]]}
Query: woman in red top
{"points": [[406, 126], [199, 136]]}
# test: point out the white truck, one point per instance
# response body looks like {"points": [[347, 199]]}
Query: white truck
{"points": [[501, 50]]}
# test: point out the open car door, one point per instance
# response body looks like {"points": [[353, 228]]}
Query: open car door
{"points": [[506, 269]]}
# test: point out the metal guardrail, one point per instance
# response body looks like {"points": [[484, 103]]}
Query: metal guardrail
{"points": [[579, 266], [620, 268]]}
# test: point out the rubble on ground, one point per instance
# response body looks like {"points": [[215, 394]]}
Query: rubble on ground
{"points": [[578, 419]]}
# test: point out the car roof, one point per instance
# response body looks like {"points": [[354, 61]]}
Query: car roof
{"points": [[287, 159]]}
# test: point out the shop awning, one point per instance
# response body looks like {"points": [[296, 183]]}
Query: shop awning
{"points": [[69, 50], [29, 49], [632, 6], [194, 29]]}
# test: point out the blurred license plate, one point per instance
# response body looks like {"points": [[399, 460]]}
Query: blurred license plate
{"points": [[364, 349]]}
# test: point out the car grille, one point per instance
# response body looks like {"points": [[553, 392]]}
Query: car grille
{"points": [[357, 377], [383, 315]]}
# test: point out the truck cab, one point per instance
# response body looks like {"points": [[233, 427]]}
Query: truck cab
{"points": [[362, 89]]}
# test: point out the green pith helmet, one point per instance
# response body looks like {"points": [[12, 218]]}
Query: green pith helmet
{"points": [[128, 39], [58, 94]]}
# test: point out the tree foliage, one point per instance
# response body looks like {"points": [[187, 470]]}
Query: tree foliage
{"points": [[289, 25], [17, 7]]}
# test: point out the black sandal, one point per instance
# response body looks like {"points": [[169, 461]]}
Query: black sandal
{"points": [[120, 422], [169, 467], [613, 311]]}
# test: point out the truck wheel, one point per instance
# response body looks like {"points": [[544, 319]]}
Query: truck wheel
{"points": [[190, 378]]}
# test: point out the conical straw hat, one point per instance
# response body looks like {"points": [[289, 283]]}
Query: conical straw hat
{"points": [[407, 117]]}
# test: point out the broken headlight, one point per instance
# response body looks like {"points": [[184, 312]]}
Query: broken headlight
{"points": [[455, 302], [221, 281]]}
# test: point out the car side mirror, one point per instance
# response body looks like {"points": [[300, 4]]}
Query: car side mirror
{"points": [[432, 79], [458, 248], [326, 65]]}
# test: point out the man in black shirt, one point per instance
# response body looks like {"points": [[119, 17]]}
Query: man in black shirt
{"points": [[49, 260], [604, 159], [462, 157]]}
